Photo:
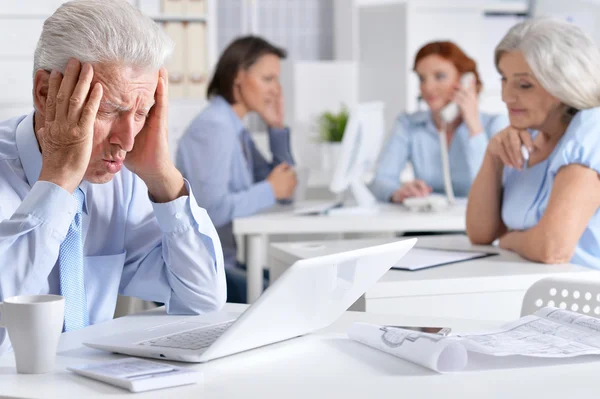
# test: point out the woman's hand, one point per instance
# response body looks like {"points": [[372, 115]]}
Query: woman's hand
{"points": [[415, 188], [505, 147], [468, 103]]}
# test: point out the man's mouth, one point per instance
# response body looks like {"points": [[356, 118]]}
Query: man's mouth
{"points": [[113, 166]]}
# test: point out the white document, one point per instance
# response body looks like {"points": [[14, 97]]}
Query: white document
{"points": [[549, 333], [436, 352], [422, 258]]}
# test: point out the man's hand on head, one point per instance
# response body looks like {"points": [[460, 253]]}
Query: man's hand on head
{"points": [[150, 158], [66, 137]]}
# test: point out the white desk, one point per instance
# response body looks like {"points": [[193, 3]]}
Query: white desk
{"points": [[325, 365], [487, 289], [280, 220]]}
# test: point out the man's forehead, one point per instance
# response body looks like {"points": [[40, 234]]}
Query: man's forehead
{"points": [[126, 88], [117, 106]]}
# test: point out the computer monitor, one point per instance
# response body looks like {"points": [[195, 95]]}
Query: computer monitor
{"points": [[361, 144]]}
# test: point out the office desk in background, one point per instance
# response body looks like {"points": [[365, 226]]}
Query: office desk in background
{"points": [[490, 288], [324, 365], [391, 218]]}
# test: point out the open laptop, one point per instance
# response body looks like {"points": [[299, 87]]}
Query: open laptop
{"points": [[310, 295]]}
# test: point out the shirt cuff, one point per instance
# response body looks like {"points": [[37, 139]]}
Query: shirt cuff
{"points": [[175, 215], [51, 204], [383, 190], [265, 193]]}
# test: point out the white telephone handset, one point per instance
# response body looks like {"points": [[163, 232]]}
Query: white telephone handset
{"points": [[450, 111]]}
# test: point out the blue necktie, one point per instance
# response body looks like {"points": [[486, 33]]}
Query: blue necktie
{"points": [[70, 260]]}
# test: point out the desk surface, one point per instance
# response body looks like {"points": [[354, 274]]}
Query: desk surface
{"points": [[507, 270], [390, 218], [323, 365]]}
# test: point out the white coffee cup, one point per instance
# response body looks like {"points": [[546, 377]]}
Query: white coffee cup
{"points": [[34, 324]]}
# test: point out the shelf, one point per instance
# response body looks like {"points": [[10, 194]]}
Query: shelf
{"points": [[178, 18], [496, 7], [24, 16]]}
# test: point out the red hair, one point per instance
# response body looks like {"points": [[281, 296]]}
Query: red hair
{"points": [[451, 52]]}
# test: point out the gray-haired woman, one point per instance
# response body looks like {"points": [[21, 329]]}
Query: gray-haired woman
{"points": [[538, 189]]}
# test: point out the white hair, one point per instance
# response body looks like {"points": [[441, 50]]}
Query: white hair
{"points": [[562, 57], [101, 31]]}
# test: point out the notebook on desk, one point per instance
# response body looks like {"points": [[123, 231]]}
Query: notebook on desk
{"points": [[424, 258]]}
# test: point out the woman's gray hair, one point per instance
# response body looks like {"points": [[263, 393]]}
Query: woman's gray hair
{"points": [[101, 31], [562, 57]]}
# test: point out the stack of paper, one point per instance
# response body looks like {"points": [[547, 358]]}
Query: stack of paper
{"points": [[549, 333]]}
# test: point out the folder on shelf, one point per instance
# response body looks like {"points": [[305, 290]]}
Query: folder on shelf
{"points": [[176, 64], [196, 69], [174, 7], [196, 8]]}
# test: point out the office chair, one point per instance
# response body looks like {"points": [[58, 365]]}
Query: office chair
{"points": [[578, 294]]}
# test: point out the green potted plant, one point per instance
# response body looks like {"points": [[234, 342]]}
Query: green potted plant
{"points": [[331, 132], [332, 125]]}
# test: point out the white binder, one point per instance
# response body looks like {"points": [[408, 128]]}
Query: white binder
{"points": [[196, 68], [176, 64]]}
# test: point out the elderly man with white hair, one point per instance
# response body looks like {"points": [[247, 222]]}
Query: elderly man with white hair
{"points": [[92, 206], [538, 189]]}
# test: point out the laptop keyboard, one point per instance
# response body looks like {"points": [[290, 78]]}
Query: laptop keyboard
{"points": [[198, 338]]}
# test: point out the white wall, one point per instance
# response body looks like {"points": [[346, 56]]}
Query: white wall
{"points": [[584, 13], [311, 88]]}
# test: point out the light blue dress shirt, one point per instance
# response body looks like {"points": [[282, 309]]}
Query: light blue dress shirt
{"points": [[416, 139], [526, 193], [211, 156], [168, 252]]}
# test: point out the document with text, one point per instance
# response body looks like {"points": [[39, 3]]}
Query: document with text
{"points": [[549, 333]]}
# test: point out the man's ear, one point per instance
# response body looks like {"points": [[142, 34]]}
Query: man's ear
{"points": [[40, 90]]}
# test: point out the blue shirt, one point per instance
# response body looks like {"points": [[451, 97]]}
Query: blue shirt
{"points": [[416, 139], [168, 252], [526, 193], [211, 156]]}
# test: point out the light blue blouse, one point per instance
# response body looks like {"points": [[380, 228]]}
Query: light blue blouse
{"points": [[211, 156], [416, 139], [526, 193]]}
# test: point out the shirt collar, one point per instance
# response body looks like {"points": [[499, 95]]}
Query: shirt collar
{"points": [[426, 119], [221, 103], [30, 155]]}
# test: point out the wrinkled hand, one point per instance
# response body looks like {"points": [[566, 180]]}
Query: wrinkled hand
{"points": [[415, 188], [283, 180], [150, 158], [273, 115], [468, 103], [505, 147], [66, 138]]}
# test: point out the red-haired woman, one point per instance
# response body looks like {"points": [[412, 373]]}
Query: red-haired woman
{"points": [[415, 138]]}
